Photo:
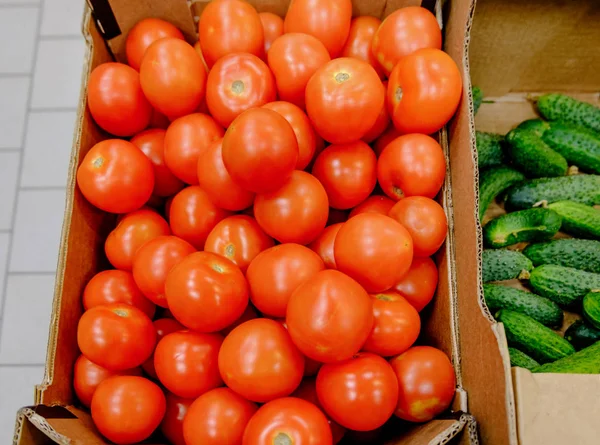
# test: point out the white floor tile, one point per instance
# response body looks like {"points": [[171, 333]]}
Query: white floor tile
{"points": [[4, 242], [9, 170], [47, 149], [17, 26], [13, 97], [62, 17], [36, 235]]}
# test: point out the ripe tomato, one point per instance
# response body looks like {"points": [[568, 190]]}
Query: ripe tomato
{"points": [[380, 125], [116, 336], [192, 216], [159, 120], [382, 141], [259, 361], [311, 367], [293, 59], [323, 245], [186, 362], [116, 176], [327, 20], [202, 107], [397, 325], [229, 26], [142, 401], [173, 77], [373, 204], [427, 382], [419, 284], [217, 417], [187, 138], [272, 28], [163, 326], [424, 91], [348, 172], [411, 165], [249, 314], [329, 316], [425, 220], [172, 424], [360, 393], [360, 37], [260, 150], [145, 33], [343, 99]]}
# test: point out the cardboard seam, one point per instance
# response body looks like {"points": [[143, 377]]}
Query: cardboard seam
{"points": [[41, 424]]}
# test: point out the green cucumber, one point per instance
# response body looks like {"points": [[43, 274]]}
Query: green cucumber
{"points": [[578, 219], [489, 149], [533, 338], [580, 188], [477, 98], [531, 155], [558, 107], [494, 181], [577, 253], [521, 360], [581, 335], [539, 308], [591, 308], [529, 225], [504, 264], [586, 361], [537, 126], [563, 285], [578, 146]]}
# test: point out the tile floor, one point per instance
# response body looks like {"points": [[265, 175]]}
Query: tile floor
{"points": [[40, 73]]}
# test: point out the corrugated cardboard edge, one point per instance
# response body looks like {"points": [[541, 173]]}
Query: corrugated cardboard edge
{"points": [[465, 420], [27, 414]]}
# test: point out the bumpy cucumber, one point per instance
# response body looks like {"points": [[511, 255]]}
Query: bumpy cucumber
{"points": [[523, 226], [489, 149], [578, 219], [577, 253], [578, 146], [504, 264], [558, 107], [477, 98], [586, 361], [531, 155], [581, 335], [494, 181], [591, 308], [521, 360], [563, 285], [537, 126]]}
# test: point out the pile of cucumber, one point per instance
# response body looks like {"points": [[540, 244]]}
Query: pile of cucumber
{"points": [[546, 175]]}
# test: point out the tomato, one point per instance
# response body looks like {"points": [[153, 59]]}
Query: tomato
{"points": [[419, 284], [249, 314], [382, 141], [259, 361], [172, 424], [327, 20], [424, 91], [425, 220], [173, 77], [427, 383], [229, 26], [186, 139], [373, 204], [411, 165], [380, 125], [397, 325], [116, 176], [216, 181], [323, 245], [186, 362], [272, 28], [217, 417], [87, 376], [145, 33], [116, 336], [260, 150], [163, 326], [192, 216], [311, 367], [293, 59], [360, 37], [343, 99], [159, 120], [348, 172], [202, 107], [329, 316], [115, 286], [135, 229]]}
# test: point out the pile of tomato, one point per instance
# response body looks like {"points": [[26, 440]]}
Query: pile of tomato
{"points": [[274, 185]]}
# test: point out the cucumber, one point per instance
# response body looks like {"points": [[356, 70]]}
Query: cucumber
{"points": [[529, 225], [477, 98], [494, 181], [521, 360], [578, 146], [531, 155], [539, 308], [563, 285], [558, 107], [537, 126], [586, 361], [591, 308], [580, 188], [489, 149], [533, 338], [578, 219], [577, 253], [581, 335], [504, 264]]}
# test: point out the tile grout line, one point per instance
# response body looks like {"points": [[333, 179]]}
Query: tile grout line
{"points": [[22, 5], [21, 365]]}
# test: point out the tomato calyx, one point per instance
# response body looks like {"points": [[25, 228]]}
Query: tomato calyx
{"points": [[218, 268], [385, 297], [397, 192], [98, 162], [230, 251], [341, 77], [238, 87], [282, 439], [398, 94], [121, 312]]}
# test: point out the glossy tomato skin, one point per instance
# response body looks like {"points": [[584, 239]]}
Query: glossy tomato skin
{"points": [[329, 316], [348, 172], [145, 33], [360, 37], [420, 282], [424, 91], [343, 99], [163, 326], [426, 381], [360, 393], [373, 204], [172, 424], [218, 417], [272, 28], [249, 314], [380, 125], [259, 361], [382, 141], [116, 176], [323, 245]]}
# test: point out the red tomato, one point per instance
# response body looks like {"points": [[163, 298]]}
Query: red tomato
{"points": [[373, 249], [311, 367], [260, 150], [186, 362], [145, 33], [116, 336], [249, 314], [360, 393], [411, 165], [382, 141], [380, 125], [259, 361], [173, 77], [343, 99], [419, 284], [293, 59], [142, 401], [229, 26], [373, 204], [163, 326], [327, 20], [272, 28], [116, 176], [427, 383], [329, 316], [424, 91], [217, 417], [159, 120], [172, 424], [348, 172], [202, 107], [360, 37], [323, 245]]}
